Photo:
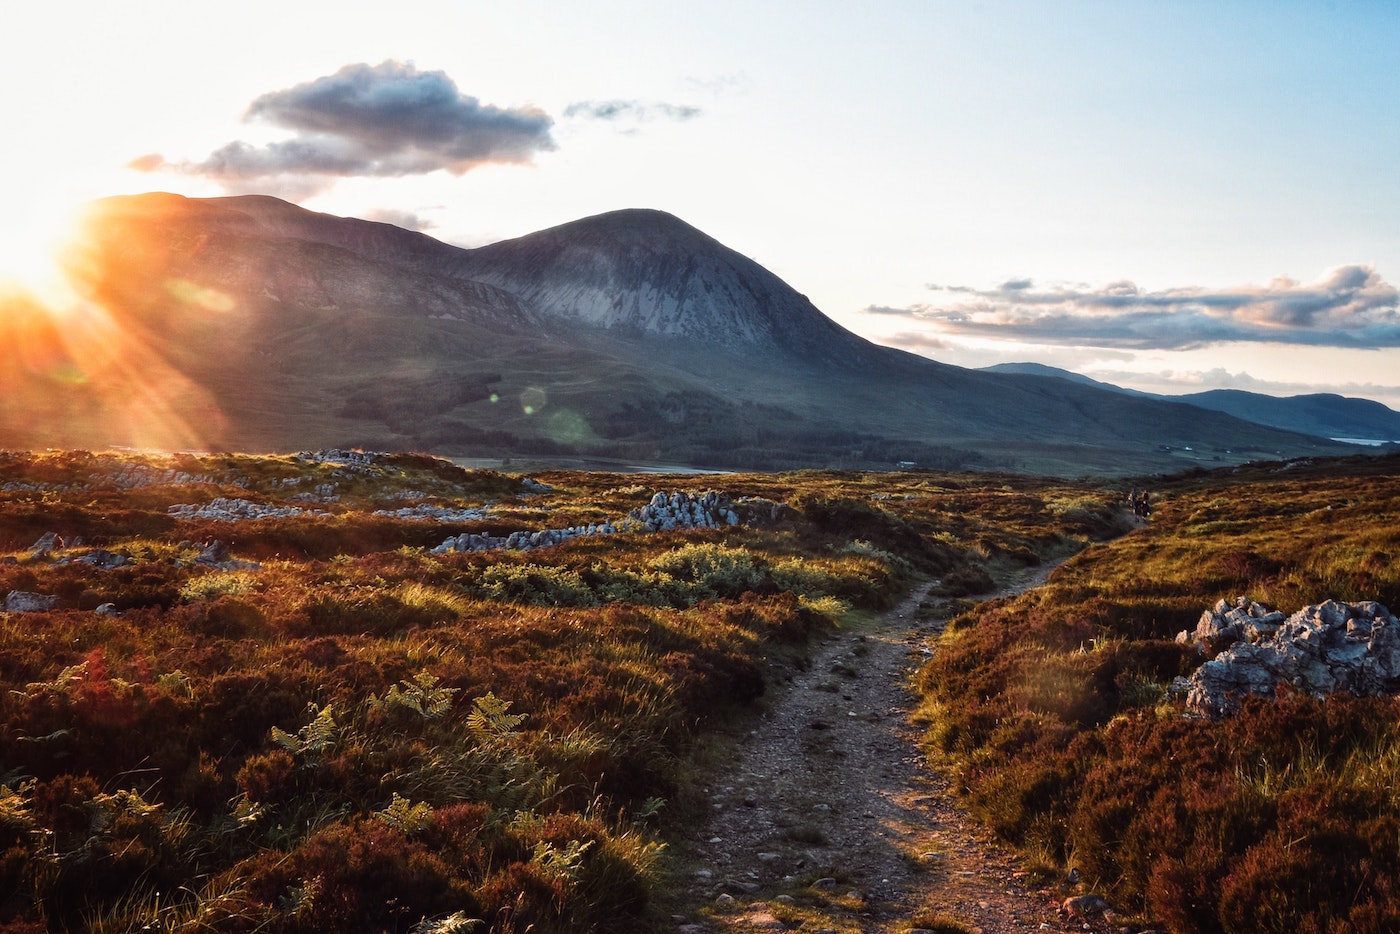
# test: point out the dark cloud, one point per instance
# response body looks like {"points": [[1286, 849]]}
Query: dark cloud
{"points": [[631, 110], [374, 120], [1352, 306]]}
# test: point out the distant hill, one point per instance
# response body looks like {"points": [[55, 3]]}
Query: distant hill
{"points": [[251, 324], [1327, 415]]}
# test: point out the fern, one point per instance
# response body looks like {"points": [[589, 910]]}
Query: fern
{"points": [[66, 679], [405, 816], [489, 719], [455, 923], [561, 865], [650, 808], [421, 695], [247, 812], [14, 807], [176, 684], [104, 809], [313, 739], [300, 900]]}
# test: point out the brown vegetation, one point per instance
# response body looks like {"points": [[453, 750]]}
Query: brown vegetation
{"points": [[336, 728], [1053, 709]]}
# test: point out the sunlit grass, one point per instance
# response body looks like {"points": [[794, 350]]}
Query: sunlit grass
{"points": [[607, 664], [319, 700], [1052, 711]]}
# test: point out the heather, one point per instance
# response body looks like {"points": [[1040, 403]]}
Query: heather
{"points": [[1056, 713], [261, 697], [260, 694]]}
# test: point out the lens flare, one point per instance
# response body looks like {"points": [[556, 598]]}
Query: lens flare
{"points": [[31, 243], [192, 293], [533, 400], [84, 371], [568, 427]]}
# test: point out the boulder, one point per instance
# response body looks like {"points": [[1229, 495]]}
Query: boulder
{"points": [[47, 544], [103, 559], [1323, 649], [22, 601], [216, 555]]}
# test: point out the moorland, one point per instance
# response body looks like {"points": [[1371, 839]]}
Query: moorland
{"points": [[256, 693]]}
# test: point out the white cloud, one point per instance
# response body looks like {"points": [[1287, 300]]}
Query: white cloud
{"points": [[1350, 306]]}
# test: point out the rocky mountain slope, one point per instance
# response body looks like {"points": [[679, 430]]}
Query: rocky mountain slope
{"points": [[251, 324]]}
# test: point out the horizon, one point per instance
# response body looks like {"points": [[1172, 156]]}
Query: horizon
{"points": [[1171, 198]]}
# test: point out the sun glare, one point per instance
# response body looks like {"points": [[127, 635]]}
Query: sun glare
{"points": [[31, 244]]}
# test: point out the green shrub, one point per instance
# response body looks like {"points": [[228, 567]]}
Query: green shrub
{"points": [[712, 571]]}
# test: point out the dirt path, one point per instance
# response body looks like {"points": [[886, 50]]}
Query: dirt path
{"points": [[831, 820]]}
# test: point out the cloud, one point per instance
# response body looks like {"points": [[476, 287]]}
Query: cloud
{"points": [[1350, 306], [1176, 382], [373, 120], [720, 85], [408, 220], [915, 341], [631, 110], [151, 162]]}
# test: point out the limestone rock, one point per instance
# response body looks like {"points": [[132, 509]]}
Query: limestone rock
{"points": [[664, 512], [1321, 650]]}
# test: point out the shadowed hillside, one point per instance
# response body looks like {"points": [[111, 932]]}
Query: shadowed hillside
{"points": [[250, 324]]}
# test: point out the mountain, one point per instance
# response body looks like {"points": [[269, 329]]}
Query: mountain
{"points": [[646, 273], [249, 323], [1040, 369], [1326, 415]]}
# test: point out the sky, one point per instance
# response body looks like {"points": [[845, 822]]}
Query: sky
{"points": [[1168, 196]]}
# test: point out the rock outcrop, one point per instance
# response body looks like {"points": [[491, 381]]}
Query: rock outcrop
{"points": [[226, 509], [1332, 647], [665, 512]]}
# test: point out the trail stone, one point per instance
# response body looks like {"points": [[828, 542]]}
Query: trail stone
{"points": [[1084, 906]]}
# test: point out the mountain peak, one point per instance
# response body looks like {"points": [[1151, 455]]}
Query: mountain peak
{"points": [[644, 271]]}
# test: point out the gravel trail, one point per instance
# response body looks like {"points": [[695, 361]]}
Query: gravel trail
{"points": [[831, 820]]}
